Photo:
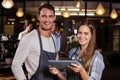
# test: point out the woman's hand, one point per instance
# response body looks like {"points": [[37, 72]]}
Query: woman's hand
{"points": [[77, 67]]}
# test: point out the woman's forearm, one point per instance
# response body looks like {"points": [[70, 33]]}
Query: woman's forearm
{"points": [[84, 74]]}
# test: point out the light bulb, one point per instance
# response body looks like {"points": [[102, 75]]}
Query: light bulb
{"points": [[100, 10], [78, 4], [66, 13], [113, 14], [7, 4], [20, 12]]}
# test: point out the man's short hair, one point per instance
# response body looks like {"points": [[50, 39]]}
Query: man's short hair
{"points": [[48, 6], [58, 24]]}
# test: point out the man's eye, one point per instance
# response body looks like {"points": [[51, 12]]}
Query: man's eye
{"points": [[43, 15], [79, 33], [51, 16]]}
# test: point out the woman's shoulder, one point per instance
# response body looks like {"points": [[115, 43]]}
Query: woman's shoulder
{"points": [[98, 58], [98, 54], [74, 49]]}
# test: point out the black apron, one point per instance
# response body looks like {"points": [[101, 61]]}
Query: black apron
{"points": [[71, 75], [42, 72]]}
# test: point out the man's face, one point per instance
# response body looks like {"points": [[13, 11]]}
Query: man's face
{"points": [[46, 18]]}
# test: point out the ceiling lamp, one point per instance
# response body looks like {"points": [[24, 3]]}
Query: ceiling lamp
{"points": [[78, 3], [7, 4], [20, 12], [113, 14], [102, 20], [100, 9], [66, 13]]}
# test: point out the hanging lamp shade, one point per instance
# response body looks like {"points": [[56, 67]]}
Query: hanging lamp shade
{"points": [[20, 13], [100, 9], [66, 13], [114, 14], [7, 4], [78, 3]]}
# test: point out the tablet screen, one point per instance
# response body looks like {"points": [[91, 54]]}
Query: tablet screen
{"points": [[61, 64]]}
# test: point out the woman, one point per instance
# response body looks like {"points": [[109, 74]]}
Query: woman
{"points": [[91, 65], [27, 29]]}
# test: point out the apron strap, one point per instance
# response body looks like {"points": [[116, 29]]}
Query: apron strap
{"points": [[40, 42]]}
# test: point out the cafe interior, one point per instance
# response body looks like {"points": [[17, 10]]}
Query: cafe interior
{"points": [[104, 14]]}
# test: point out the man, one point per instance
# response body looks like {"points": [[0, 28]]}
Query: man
{"points": [[56, 33], [60, 38], [32, 53]]}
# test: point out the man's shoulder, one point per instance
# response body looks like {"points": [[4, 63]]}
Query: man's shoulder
{"points": [[33, 32]]}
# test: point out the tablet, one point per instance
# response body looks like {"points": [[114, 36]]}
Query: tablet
{"points": [[61, 64]]}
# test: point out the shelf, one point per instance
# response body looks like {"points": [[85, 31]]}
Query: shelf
{"points": [[4, 65]]}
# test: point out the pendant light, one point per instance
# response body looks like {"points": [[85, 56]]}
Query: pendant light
{"points": [[100, 9], [78, 3], [114, 14], [20, 12], [102, 20], [7, 4], [66, 13]]}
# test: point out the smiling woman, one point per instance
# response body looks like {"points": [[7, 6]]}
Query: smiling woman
{"points": [[90, 61]]}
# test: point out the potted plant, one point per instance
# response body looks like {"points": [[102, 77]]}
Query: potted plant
{"points": [[72, 42]]}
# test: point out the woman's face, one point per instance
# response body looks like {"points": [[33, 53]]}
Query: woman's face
{"points": [[29, 27], [84, 35]]}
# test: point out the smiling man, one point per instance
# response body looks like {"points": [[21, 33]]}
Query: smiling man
{"points": [[36, 48]]}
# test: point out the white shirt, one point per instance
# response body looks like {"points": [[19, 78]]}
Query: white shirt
{"points": [[21, 34], [28, 51]]}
